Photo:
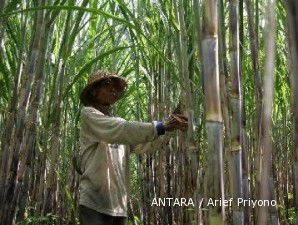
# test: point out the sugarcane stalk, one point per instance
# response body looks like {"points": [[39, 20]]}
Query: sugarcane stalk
{"points": [[235, 153], [266, 188], [5, 155], [213, 185], [27, 153], [28, 76]]}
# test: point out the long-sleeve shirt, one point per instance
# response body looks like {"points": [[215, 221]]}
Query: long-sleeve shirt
{"points": [[103, 158]]}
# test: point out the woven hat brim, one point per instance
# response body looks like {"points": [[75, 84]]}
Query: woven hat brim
{"points": [[85, 94]]}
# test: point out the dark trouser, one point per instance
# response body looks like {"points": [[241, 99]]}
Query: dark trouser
{"points": [[91, 217]]}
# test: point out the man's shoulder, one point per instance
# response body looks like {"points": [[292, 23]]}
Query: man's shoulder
{"points": [[87, 110]]}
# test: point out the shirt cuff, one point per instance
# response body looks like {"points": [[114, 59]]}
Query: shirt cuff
{"points": [[160, 128]]}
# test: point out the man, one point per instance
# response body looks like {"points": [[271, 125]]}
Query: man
{"points": [[104, 141]]}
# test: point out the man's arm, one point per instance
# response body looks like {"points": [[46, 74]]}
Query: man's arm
{"points": [[174, 122], [98, 127]]}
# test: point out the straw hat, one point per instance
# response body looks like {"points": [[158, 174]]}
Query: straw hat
{"points": [[96, 78]]}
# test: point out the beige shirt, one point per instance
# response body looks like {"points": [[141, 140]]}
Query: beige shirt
{"points": [[103, 158]]}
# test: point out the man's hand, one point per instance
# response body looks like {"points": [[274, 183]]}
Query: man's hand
{"points": [[176, 121], [177, 110]]}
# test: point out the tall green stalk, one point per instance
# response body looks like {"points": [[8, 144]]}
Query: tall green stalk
{"points": [[235, 164], [213, 185]]}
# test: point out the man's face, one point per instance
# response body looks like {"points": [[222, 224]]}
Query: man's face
{"points": [[106, 92]]}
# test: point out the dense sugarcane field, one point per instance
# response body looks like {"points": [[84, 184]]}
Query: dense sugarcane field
{"points": [[230, 65]]}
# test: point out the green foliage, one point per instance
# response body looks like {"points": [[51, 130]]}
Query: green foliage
{"points": [[49, 219]]}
